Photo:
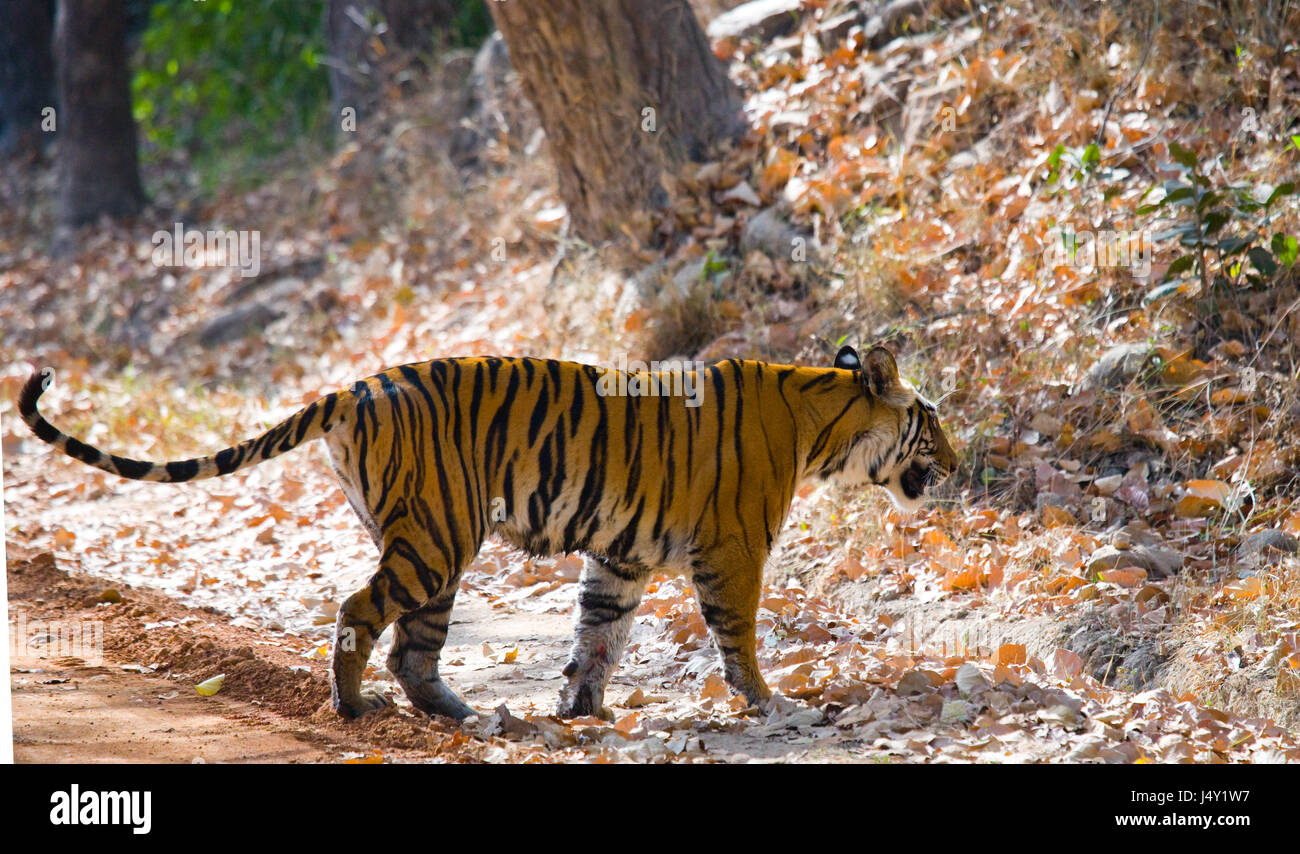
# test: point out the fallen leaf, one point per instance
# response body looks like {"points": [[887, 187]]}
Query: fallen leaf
{"points": [[1011, 653], [208, 687]]}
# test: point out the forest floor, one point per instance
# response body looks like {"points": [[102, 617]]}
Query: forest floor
{"points": [[1111, 576]]}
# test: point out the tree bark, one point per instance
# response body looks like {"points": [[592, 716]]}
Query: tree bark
{"points": [[358, 67], [626, 90], [98, 169], [26, 69]]}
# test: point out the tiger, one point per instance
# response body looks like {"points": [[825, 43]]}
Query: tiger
{"points": [[435, 456]]}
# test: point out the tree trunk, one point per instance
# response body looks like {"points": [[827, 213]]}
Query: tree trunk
{"points": [[625, 89], [366, 37], [26, 70], [98, 170]]}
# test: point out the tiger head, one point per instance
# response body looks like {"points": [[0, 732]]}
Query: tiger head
{"points": [[899, 443]]}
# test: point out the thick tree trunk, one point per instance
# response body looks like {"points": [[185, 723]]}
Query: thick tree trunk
{"points": [[26, 69], [98, 169], [625, 89], [366, 37]]}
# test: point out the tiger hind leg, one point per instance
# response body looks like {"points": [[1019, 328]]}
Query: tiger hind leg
{"points": [[409, 575], [607, 602], [417, 643]]}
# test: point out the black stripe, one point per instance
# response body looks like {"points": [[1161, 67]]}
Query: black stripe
{"points": [[81, 451], [46, 432], [538, 416], [304, 422], [228, 460], [819, 380], [131, 468], [178, 472], [824, 436]]}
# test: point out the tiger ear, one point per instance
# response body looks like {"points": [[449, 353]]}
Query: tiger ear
{"points": [[847, 359], [881, 371]]}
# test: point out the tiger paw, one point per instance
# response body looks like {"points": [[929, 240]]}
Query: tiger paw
{"points": [[580, 701], [367, 701], [435, 698]]}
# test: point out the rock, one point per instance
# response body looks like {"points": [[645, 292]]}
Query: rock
{"points": [[238, 323], [761, 19], [767, 232], [954, 710], [1107, 485], [1267, 546], [689, 275], [804, 717], [1118, 365], [645, 750], [505, 724], [1158, 563]]}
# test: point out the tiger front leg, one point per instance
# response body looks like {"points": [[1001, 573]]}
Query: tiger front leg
{"points": [[729, 603], [610, 593]]}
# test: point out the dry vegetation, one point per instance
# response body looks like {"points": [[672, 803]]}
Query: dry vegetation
{"points": [[1124, 444]]}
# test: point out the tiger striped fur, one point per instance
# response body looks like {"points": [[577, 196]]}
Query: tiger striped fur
{"points": [[435, 456]]}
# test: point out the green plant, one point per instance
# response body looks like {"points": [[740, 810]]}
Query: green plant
{"points": [[1068, 167], [1223, 226], [232, 79], [471, 24]]}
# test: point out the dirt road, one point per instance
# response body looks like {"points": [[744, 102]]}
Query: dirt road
{"points": [[139, 703]]}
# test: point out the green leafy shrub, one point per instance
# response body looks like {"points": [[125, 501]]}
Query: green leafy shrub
{"points": [[1224, 227], [218, 76]]}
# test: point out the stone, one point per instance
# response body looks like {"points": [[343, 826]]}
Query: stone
{"points": [[1118, 365], [1158, 563], [238, 323], [1267, 546], [689, 276], [1107, 485], [769, 233], [646, 750], [503, 723]]}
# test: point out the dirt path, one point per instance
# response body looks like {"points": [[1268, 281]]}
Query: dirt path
{"points": [[138, 702], [861, 694], [66, 710]]}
